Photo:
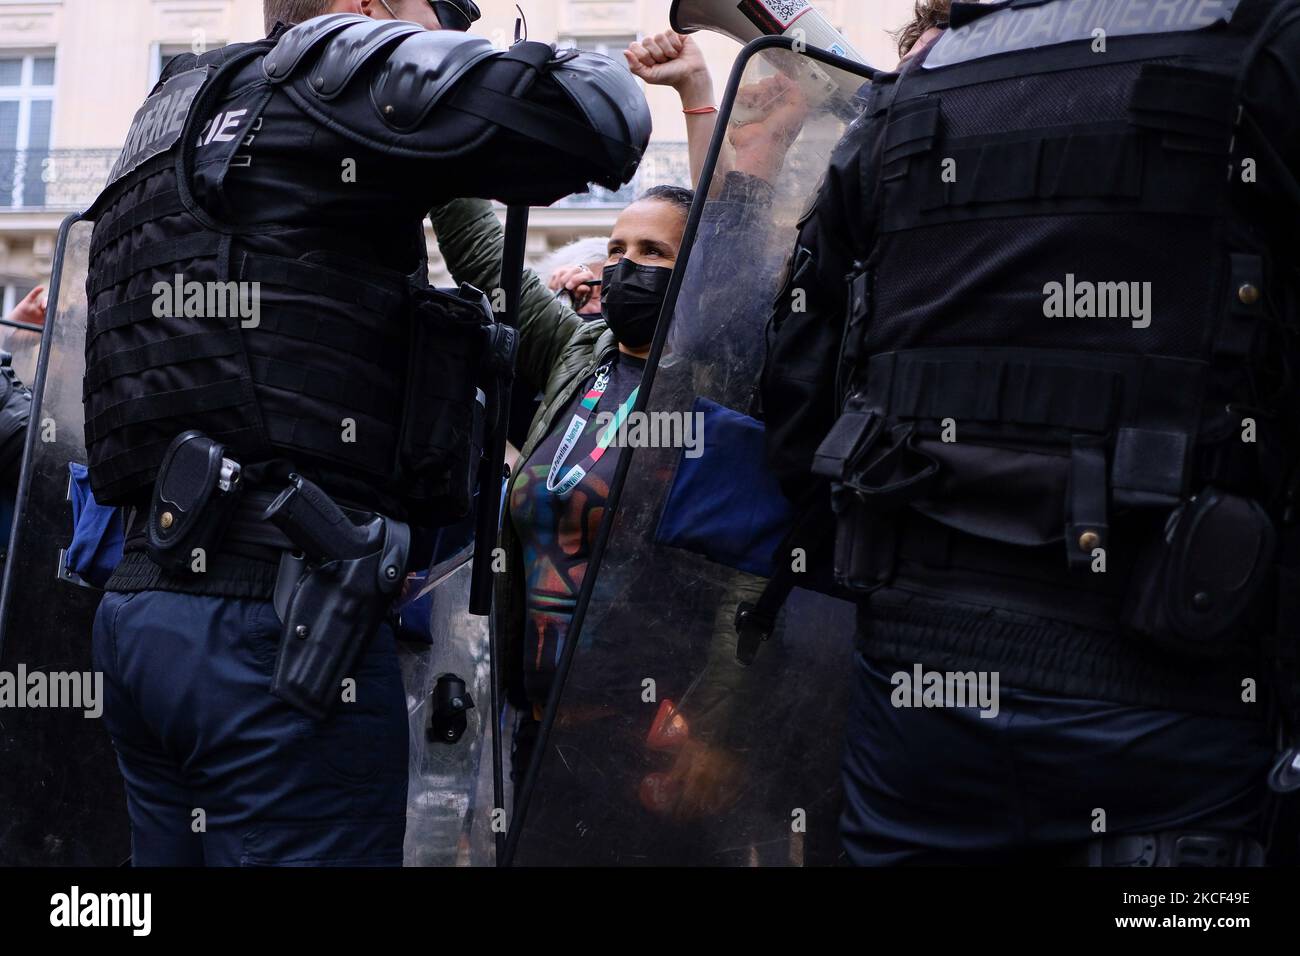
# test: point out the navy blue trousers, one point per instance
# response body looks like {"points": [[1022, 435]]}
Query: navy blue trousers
{"points": [[947, 786], [221, 773]]}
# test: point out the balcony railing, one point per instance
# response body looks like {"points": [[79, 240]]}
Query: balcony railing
{"points": [[663, 164], [53, 179], [65, 180]]}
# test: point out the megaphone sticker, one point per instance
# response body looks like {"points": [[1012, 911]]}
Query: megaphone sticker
{"points": [[774, 16]]}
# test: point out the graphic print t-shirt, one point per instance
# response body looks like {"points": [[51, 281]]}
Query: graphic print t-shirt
{"points": [[557, 533]]}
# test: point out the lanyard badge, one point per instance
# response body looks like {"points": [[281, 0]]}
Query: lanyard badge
{"points": [[561, 487]]}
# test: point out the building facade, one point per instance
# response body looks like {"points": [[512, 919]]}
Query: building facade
{"points": [[73, 72]]}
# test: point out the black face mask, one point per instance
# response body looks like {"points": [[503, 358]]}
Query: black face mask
{"points": [[631, 298]]}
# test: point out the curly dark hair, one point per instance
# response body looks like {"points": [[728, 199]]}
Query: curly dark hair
{"points": [[926, 14]]}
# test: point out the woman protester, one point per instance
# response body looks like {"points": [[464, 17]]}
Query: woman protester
{"points": [[589, 367]]}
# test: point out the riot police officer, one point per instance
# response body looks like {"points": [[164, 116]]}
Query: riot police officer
{"points": [[274, 396], [1047, 374]]}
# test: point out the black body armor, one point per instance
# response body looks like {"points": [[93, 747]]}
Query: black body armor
{"points": [[258, 267], [1068, 358]]}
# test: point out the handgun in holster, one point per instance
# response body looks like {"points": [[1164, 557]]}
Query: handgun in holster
{"points": [[331, 597]]}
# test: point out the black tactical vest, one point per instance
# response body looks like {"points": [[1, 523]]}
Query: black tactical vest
{"points": [[1062, 345], [195, 323]]}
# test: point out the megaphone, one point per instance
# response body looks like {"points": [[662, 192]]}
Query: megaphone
{"points": [[746, 20]]}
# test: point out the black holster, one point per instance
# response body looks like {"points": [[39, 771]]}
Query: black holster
{"points": [[875, 471], [1197, 583], [194, 498], [333, 596]]}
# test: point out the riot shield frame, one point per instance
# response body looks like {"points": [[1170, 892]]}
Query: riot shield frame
{"points": [[524, 797], [24, 326], [38, 392], [81, 817]]}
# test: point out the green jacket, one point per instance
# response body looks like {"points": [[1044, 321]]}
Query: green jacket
{"points": [[558, 351]]}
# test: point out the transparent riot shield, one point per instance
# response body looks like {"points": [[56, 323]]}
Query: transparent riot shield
{"points": [[23, 343], [450, 794], [658, 747], [59, 784]]}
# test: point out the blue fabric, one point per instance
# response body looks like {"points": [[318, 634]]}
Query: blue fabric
{"points": [[725, 504], [97, 535], [415, 610], [943, 786], [7, 505], [188, 705]]}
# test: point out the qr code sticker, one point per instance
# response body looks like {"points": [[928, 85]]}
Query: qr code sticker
{"points": [[786, 11]]}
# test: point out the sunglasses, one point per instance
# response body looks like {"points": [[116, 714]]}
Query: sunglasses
{"points": [[582, 299], [455, 14]]}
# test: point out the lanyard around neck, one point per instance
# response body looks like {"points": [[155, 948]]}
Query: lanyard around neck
{"points": [[577, 425]]}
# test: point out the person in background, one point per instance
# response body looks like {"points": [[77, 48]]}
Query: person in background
{"points": [[16, 402], [929, 20], [24, 344], [582, 259], [31, 310]]}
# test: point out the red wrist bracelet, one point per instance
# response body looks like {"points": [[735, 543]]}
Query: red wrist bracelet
{"points": [[700, 110]]}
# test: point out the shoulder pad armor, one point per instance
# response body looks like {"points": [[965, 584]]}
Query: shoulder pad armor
{"points": [[321, 57], [611, 100], [418, 94], [348, 50], [421, 70], [294, 45]]}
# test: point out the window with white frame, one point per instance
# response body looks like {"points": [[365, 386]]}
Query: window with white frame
{"points": [[611, 45], [14, 291], [160, 54], [26, 114]]}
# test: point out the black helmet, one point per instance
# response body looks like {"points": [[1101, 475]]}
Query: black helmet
{"points": [[455, 14]]}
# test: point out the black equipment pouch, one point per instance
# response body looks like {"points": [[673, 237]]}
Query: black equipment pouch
{"points": [[866, 543], [194, 498], [332, 596], [874, 472], [452, 340], [1199, 580]]}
